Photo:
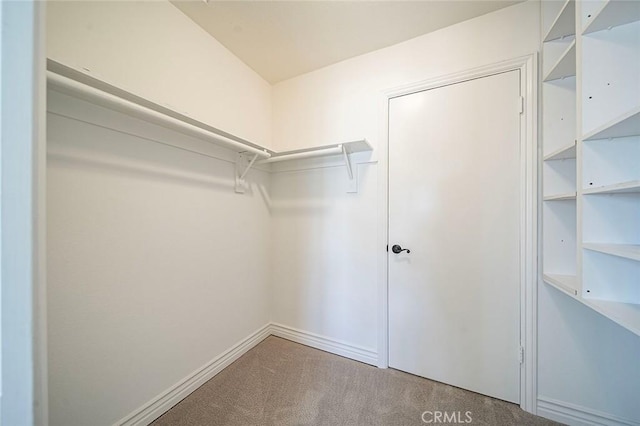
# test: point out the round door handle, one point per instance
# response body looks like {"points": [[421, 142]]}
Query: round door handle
{"points": [[397, 249]]}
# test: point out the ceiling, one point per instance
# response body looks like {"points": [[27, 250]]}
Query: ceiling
{"points": [[283, 39]]}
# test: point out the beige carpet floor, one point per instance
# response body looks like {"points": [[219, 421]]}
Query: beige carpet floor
{"points": [[284, 383]]}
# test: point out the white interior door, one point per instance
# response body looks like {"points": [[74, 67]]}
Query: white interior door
{"points": [[454, 202]]}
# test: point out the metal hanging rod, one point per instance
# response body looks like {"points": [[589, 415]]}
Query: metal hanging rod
{"points": [[247, 155], [83, 91], [305, 154]]}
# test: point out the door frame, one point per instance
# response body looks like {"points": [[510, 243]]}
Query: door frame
{"points": [[24, 399], [529, 175]]}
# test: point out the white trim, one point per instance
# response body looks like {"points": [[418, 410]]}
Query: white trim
{"points": [[324, 343], [167, 399], [531, 195], [41, 356], [572, 414], [22, 198], [159, 405], [527, 65], [383, 235]]}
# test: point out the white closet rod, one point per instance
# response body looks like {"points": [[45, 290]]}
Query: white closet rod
{"points": [[306, 154], [110, 101]]}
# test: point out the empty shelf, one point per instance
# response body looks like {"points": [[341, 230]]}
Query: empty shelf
{"points": [[564, 153], [565, 22], [625, 314], [627, 124], [618, 188], [565, 66], [613, 13], [561, 197], [565, 283], [628, 251]]}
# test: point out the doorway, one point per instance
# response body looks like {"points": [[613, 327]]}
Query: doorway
{"points": [[455, 191]]}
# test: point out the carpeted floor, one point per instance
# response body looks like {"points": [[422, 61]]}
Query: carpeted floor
{"points": [[284, 383]]}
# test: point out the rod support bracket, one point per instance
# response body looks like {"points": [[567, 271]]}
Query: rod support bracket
{"points": [[243, 165], [352, 186]]}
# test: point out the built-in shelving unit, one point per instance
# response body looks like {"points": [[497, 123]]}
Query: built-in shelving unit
{"points": [[559, 148], [591, 155]]}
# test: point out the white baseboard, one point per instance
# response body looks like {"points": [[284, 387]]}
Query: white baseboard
{"points": [[337, 347], [163, 402], [550, 408], [576, 415], [153, 409]]}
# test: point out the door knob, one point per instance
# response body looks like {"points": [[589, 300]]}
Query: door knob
{"points": [[397, 249]]}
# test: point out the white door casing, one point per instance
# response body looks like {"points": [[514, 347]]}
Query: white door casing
{"points": [[454, 201], [529, 209]]}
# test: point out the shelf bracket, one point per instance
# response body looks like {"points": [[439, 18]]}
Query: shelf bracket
{"points": [[347, 161], [243, 165], [353, 174]]}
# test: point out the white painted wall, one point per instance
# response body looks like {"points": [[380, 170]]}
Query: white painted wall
{"points": [[323, 253], [585, 361], [156, 265], [154, 51], [127, 308], [343, 102]]}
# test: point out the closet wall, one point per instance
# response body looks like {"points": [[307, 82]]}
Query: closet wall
{"points": [[153, 50], [155, 265], [324, 255], [344, 102], [586, 364]]}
